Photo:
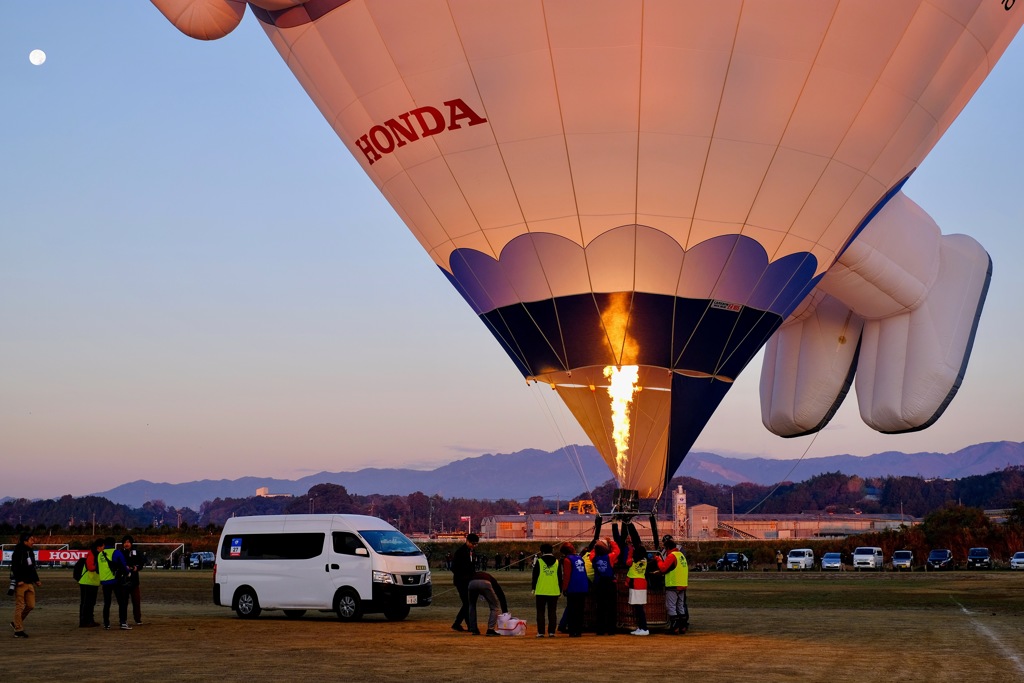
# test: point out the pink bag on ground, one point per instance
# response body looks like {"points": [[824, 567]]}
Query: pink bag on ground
{"points": [[510, 626]]}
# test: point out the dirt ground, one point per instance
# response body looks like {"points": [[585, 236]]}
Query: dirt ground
{"points": [[955, 626]]}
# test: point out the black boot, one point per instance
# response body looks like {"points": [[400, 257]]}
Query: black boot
{"points": [[683, 625], [673, 624]]}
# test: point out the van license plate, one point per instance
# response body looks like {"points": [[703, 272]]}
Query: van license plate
{"points": [[410, 599]]}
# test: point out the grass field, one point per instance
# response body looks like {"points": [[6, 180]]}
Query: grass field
{"points": [[955, 626]]}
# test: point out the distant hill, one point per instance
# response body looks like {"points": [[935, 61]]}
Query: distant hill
{"points": [[978, 459], [557, 475], [517, 476]]}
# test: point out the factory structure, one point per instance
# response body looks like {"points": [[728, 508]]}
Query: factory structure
{"points": [[697, 522]]}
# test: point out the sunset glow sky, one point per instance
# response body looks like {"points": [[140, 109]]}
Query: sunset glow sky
{"points": [[197, 280]]}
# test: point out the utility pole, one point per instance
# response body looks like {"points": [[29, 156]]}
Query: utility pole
{"points": [[733, 514]]}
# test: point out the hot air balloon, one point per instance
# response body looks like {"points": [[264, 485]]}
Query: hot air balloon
{"points": [[635, 196]]}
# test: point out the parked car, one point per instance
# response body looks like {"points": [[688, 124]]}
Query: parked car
{"points": [[800, 558], [939, 559], [832, 561], [903, 560], [979, 558], [202, 560], [1017, 561], [349, 564], [868, 557], [733, 562]]}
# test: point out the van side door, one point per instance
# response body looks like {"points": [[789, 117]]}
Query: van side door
{"points": [[350, 564]]}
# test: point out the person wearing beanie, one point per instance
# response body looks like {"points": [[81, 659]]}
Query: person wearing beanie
{"points": [[546, 584], [677, 573]]}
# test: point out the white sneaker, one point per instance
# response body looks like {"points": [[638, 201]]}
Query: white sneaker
{"points": [[641, 632]]}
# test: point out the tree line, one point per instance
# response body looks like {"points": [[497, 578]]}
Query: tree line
{"points": [[420, 513]]}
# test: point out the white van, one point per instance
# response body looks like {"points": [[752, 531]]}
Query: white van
{"points": [[348, 564], [800, 558], [868, 557]]}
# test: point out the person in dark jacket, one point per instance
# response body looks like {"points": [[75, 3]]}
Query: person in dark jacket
{"points": [[26, 580], [603, 558], [546, 584], [462, 573], [483, 584], [135, 560]]}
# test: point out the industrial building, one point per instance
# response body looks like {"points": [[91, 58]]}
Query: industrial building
{"points": [[698, 522]]}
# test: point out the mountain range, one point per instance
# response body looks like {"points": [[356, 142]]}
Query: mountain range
{"points": [[565, 473]]}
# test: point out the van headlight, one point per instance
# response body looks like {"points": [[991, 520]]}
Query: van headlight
{"points": [[426, 579], [383, 577]]}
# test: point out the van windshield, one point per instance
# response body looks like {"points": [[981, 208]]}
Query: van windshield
{"points": [[390, 543]]}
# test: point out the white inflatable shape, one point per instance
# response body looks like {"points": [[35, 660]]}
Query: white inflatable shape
{"points": [[808, 366], [918, 296], [203, 19]]}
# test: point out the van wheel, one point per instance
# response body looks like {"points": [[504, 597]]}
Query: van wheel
{"points": [[347, 605], [396, 612], [247, 605], [294, 613]]}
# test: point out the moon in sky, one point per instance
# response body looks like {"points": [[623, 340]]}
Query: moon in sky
{"points": [[37, 57]]}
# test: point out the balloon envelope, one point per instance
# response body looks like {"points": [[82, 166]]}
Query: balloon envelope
{"points": [[649, 183]]}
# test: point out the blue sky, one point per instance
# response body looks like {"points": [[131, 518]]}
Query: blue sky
{"points": [[197, 280]]}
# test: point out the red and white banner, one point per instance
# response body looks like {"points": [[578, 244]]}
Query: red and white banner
{"points": [[64, 555]]}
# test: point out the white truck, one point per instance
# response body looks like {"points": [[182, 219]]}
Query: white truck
{"points": [[800, 558], [868, 557], [348, 564]]}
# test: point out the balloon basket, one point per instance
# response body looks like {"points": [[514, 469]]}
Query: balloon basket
{"points": [[625, 503]]}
